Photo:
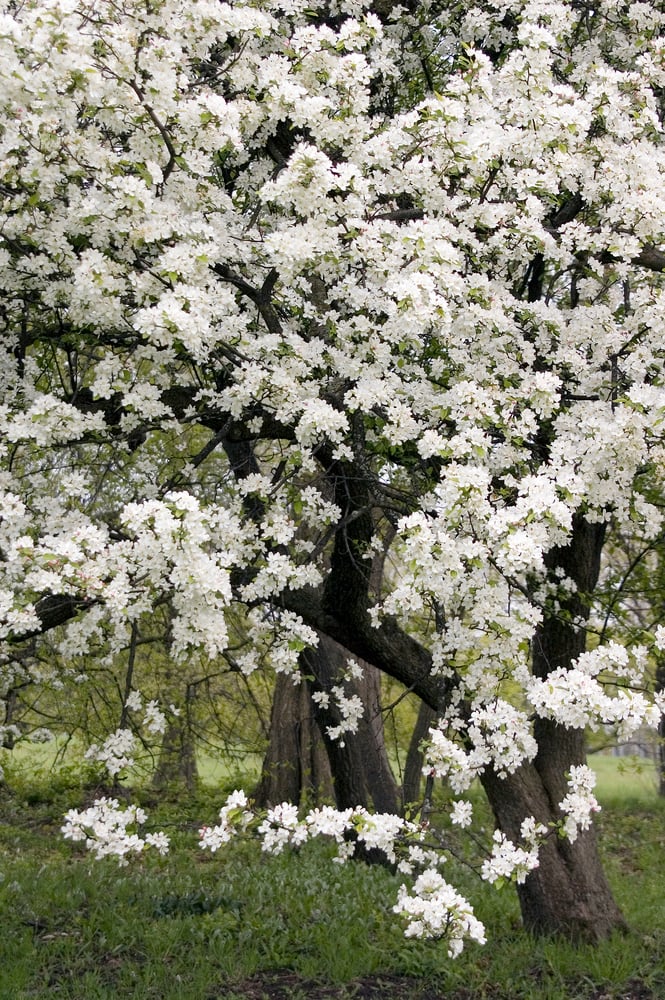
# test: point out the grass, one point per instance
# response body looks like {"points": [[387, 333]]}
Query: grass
{"points": [[197, 927], [619, 779], [35, 763]]}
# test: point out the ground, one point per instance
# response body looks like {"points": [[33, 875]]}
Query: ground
{"points": [[288, 986]]}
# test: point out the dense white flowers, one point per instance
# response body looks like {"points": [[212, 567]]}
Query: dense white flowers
{"points": [[111, 831], [134, 701], [461, 813], [349, 706], [594, 691], [446, 759], [115, 753], [234, 815], [155, 720], [508, 861], [659, 638], [281, 827], [501, 737], [267, 283], [434, 909], [580, 803]]}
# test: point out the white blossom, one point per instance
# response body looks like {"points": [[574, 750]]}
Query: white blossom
{"points": [[580, 803], [154, 720], [436, 910], [134, 701], [461, 813], [508, 861], [109, 830], [116, 751]]}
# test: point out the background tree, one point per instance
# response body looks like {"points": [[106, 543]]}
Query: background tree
{"points": [[630, 605]]}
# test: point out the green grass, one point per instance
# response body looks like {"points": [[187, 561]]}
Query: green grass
{"points": [[33, 765], [195, 926], [624, 778], [216, 772], [617, 777]]}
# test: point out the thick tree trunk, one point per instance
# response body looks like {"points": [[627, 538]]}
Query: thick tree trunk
{"points": [[359, 761], [9, 701], [568, 893], [303, 763], [295, 766]]}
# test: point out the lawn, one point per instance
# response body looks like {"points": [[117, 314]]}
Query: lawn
{"points": [[621, 779], [243, 926]]}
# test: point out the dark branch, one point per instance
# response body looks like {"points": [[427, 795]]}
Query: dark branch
{"points": [[53, 610], [387, 647]]}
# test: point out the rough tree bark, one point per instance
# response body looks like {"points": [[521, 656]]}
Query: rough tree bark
{"points": [[359, 762], [568, 893], [295, 767], [302, 763]]}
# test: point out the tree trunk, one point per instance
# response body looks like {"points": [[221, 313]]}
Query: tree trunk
{"points": [[359, 761], [295, 766], [9, 702], [413, 769], [660, 686], [303, 763], [568, 893], [177, 758]]}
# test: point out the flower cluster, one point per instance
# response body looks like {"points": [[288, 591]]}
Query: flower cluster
{"points": [[116, 751], [594, 691], [508, 861], [580, 803], [349, 706], [108, 830], [234, 816], [433, 909]]}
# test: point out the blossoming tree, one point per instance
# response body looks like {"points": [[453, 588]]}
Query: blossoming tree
{"points": [[381, 273]]}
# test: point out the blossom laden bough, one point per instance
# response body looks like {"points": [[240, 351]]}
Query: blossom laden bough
{"points": [[111, 831], [430, 908], [436, 910]]}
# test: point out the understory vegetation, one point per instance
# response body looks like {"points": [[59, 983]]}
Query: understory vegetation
{"points": [[239, 924]]}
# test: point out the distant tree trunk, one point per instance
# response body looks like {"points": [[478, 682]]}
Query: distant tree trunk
{"points": [[177, 759], [9, 702], [413, 768], [295, 766], [568, 893]]}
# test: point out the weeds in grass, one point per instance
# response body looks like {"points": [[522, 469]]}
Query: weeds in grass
{"points": [[196, 927]]}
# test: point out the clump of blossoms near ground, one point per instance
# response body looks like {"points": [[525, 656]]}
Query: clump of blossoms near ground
{"points": [[285, 284]]}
